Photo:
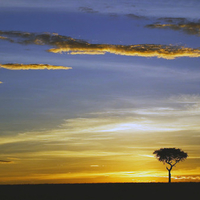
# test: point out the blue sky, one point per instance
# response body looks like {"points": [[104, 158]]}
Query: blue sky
{"points": [[115, 98], [144, 8]]}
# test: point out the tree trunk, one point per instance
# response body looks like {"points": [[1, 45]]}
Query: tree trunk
{"points": [[169, 176]]}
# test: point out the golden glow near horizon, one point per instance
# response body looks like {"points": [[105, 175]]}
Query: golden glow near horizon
{"points": [[107, 149]]}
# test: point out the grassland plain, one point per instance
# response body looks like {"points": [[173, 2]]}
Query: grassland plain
{"points": [[115, 191]]}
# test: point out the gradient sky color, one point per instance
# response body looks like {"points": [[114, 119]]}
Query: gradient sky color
{"points": [[89, 89]]}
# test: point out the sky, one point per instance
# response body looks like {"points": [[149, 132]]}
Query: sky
{"points": [[90, 89]]}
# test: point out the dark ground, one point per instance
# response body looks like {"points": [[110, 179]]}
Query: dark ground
{"points": [[111, 191]]}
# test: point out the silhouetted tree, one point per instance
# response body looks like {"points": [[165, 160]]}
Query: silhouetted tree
{"points": [[171, 156]]}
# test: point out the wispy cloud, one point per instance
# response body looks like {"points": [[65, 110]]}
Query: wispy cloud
{"points": [[1, 82], [186, 98], [12, 66], [136, 17], [75, 46], [190, 177], [87, 10]]}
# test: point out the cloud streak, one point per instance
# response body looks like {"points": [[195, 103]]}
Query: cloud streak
{"points": [[12, 66], [74, 46]]}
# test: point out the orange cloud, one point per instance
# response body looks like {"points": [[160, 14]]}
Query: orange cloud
{"points": [[143, 50], [3, 38], [12, 66], [6, 38]]}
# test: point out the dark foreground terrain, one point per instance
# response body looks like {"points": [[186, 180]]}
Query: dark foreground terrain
{"points": [[111, 191]]}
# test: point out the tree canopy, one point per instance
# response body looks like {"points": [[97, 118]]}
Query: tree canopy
{"points": [[170, 156]]}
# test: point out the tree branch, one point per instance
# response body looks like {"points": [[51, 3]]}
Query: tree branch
{"points": [[169, 169], [175, 163]]}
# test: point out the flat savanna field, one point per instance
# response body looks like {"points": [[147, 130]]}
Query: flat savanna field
{"points": [[101, 191]]}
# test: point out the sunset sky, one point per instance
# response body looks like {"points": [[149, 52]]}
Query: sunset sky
{"points": [[90, 88]]}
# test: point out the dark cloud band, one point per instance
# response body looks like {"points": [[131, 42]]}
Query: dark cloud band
{"points": [[178, 24]]}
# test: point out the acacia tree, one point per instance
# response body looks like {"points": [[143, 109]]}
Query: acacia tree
{"points": [[171, 156]]}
